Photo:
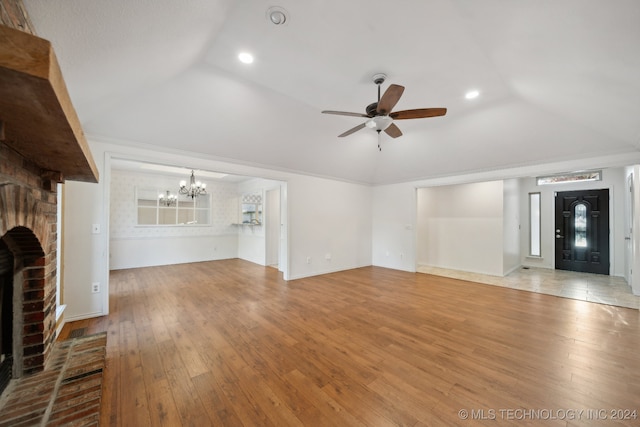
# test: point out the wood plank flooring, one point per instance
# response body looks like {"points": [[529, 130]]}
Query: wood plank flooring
{"points": [[229, 343]]}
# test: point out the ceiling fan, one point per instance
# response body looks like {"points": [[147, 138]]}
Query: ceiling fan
{"points": [[380, 113]]}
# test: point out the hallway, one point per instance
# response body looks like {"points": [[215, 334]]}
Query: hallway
{"points": [[611, 290]]}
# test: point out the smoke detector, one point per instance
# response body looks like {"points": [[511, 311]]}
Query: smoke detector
{"points": [[277, 15]]}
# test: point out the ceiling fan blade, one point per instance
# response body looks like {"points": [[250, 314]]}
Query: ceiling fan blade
{"points": [[393, 131], [344, 113], [352, 130], [390, 99], [418, 113]]}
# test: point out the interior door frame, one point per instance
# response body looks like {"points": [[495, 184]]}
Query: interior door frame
{"points": [[273, 226], [628, 228]]}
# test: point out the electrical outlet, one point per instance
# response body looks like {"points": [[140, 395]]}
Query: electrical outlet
{"points": [[95, 287], [308, 260], [327, 257]]}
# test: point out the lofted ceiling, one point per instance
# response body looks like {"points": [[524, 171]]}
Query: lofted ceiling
{"points": [[558, 80]]}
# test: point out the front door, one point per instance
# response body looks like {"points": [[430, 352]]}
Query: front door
{"points": [[582, 231]]}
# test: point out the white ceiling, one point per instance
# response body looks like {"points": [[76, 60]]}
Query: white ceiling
{"points": [[558, 79]]}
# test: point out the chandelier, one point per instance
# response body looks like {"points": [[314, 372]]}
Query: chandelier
{"points": [[194, 189], [168, 200]]}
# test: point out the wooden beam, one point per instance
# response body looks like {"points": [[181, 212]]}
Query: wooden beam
{"points": [[40, 122], [14, 15]]}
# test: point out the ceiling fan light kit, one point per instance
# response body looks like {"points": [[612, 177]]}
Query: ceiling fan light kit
{"points": [[381, 115], [379, 123]]}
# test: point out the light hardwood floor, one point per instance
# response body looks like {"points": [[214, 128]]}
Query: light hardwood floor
{"points": [[229, 343]]}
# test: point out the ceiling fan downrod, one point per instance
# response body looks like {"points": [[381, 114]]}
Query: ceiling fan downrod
{"points": [[379, 79]]}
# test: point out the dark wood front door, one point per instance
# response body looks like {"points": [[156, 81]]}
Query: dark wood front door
{"points": [[582, 231]]}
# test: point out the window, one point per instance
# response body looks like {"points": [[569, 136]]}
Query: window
{"points": [[534, 224], [570, 177], [158, 207]]}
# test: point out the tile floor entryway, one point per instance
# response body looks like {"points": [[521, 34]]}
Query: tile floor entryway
{"points": [[598, 288]]}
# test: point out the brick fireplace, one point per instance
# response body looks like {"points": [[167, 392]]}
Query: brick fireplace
{"points": [[41, 145], [27, 263]]}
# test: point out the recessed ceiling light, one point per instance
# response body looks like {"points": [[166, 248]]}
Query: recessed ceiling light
{"points": [[245, 58], [472, 94]]}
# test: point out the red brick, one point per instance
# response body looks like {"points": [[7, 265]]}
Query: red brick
{"points": [[28, 203]]}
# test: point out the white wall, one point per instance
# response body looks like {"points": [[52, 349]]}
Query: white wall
{"points": [[329, 226], [612, 179], [85, 253], [146, 252], [394, 220], [461, 227], [133, 246], [511, 226]]}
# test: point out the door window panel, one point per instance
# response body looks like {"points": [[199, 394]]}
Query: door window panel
{"points": [[580, 225]]}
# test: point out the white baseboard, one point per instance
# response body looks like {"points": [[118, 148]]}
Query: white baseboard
{"points": [[83, 316]]}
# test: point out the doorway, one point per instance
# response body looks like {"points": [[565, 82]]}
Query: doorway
{"points": [[582, 231]]}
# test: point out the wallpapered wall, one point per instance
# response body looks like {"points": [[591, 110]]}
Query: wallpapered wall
{"points": [[224, 207]]}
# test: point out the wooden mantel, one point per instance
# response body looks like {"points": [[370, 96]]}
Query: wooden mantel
{"points": [[37, 118]]}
